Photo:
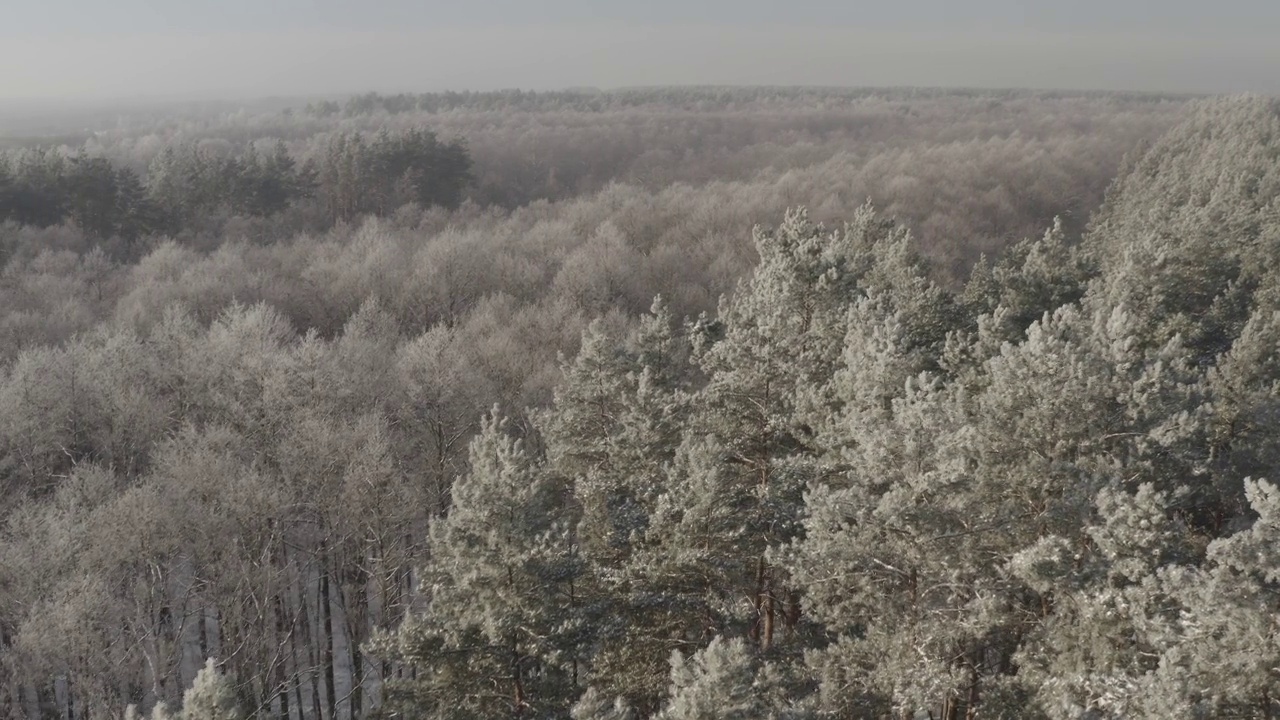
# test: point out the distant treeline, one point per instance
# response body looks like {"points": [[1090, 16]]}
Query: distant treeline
{"points": [[969, 171], [702, 98], [357, 174]]}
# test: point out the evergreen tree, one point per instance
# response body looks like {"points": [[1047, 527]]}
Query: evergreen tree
{"points": [[1110, 613], [1185, 236], [613, 429], [211, 697], [502, 632], [1226, 658], [1031, 278], [594, 706], [724, 681], [779, 333]]}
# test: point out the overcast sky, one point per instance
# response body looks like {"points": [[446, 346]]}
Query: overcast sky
{"points": [[98, 49]]}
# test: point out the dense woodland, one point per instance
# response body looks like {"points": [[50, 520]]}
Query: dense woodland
{"points": [[497, 406]]}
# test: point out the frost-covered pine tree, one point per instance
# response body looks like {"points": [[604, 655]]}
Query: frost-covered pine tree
{"points": [[1235, 425], [779, 333], [614, 423], [501, 633], [1185, 237], [1110, 616], [612, 431], [210, 697], [726, 681], [1030, 279], [1225, 663], [594, 705], [932, 491]]}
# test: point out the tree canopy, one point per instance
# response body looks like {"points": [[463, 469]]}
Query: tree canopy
{"points": [[545, 463]]}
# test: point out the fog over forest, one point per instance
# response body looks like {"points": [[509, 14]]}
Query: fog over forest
{"points": [[195, 49], [752, 363]]}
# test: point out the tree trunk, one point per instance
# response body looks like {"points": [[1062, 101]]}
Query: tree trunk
{"points": [[281, 691], [766, 641], [31, 701], [187, 630], [517, 682], [295, 603], [62, 697], [326, 644], [315, 642], [340, 650], [757, 625], [971, 707]]}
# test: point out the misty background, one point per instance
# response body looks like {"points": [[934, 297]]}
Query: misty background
{"points": [[145, 49]]}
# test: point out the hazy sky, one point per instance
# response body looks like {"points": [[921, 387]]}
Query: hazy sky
{"points": [[246, 48]]}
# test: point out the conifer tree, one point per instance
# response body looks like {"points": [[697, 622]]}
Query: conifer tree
{"points": [[1032, 278], [1234, 426], [1225, 661], [1110, 615], [724, 681], [780, 332], [210, 697], [593, 705], [613, 429], [501, 633]]}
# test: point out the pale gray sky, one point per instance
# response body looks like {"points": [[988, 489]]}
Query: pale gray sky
{"points": [[97, 49]]}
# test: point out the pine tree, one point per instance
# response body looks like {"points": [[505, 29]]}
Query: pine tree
{"points": [[501, 634], [1185, 236], [593, 705], [1225, 661], [779, 333], [614, 424], [1234, 427], [613, 429], [210, 697], [1110, 616], [724, 681], [1032, 278]]}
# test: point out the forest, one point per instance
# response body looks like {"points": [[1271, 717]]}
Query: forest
{"points": [[664, 403]]}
